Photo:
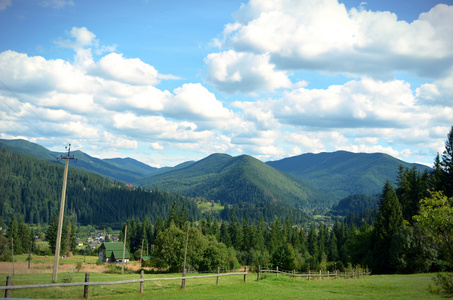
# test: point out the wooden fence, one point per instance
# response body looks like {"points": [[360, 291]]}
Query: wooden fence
{"points": [[316, 275], [87, 282], [142, 279]]}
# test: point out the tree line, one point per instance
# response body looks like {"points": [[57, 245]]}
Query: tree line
{"points": [[412, 232]]}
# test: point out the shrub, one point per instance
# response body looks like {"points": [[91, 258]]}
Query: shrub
{"points": [[68, 276], [443, 284], [79, 266]]}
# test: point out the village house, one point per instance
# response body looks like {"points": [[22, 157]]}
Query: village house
{"points": [[113, 252]]}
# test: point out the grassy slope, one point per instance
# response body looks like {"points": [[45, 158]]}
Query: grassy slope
{"points": [[233, 287]]}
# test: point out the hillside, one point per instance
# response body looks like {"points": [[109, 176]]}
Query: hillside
{"points": [[236, 179], [123, 169], [31, 190], [344, 173]]}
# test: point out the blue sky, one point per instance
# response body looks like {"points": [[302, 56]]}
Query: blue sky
{"points": [[169, 81]]}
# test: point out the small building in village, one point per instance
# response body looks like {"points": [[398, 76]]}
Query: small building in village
{"points": [[111, 252]]}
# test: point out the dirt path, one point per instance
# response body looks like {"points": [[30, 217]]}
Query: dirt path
{"points": [[37, 268]]}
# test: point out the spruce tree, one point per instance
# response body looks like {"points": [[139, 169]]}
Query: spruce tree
{"points": [[389, 220], [51, 234], [447, 164]]}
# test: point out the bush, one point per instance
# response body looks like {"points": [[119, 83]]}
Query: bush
{"points": [[79, 266], [443, 284], [68, 276]]}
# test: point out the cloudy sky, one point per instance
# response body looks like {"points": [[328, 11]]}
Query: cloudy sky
{"points": [[169, 81]]}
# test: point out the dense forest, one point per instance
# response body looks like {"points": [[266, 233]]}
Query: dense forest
{"points": [[30, 190], [412, 232]]}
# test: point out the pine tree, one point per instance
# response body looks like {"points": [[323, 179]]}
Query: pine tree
{"points": [[13, 234], [447, 164], [438, 176], [51, 234], [225, 235], [389, 220], [313, 241]]}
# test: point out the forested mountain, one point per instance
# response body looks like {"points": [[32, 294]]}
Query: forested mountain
{"points": [[235, 180], [343, 173], [127, 169], [30, 189]]}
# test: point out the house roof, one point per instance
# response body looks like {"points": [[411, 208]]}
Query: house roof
{"points": [[116, 248]]}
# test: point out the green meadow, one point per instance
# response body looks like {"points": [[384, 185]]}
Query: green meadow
{"points": [[232, 287]]}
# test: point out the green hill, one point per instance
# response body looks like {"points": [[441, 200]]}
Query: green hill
{"points": [[344, 173], [127, 169], [30, 189], [236, 179]]}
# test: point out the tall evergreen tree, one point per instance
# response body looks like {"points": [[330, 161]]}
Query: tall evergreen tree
{"points": [[51, 234], [438, 176], [389, 220], [447, 164], [13, 235]]}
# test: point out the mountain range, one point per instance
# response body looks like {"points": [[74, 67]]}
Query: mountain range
{"points": [[304, 181]]}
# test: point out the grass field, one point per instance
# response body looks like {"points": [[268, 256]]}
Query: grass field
{"points": [[233, 287]]}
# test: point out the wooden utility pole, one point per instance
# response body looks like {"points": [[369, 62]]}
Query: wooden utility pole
{"points": [[124, 250], [183, 284], [60, 218], [12, 250]]}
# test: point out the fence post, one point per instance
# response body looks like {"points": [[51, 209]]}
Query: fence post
{"points": [[245, 274], [308, 274], [218, 272], [352, 274], [328, 274], [258, 275], [320, 275], [277, 271], [8, 283], [141, 282], [85, 288], [345, 275], [294, 273]]}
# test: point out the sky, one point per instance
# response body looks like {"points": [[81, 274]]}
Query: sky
{"points": [[166, 82]]}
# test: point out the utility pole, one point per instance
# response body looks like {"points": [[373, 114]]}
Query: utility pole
{"points": [[60, 219], [124, 250]]}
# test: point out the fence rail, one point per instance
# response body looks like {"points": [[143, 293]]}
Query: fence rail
{"points": [[86, 284], [309, 275], [142, 279]]}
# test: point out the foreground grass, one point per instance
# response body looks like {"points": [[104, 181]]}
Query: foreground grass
{"points": [[233, 287]]}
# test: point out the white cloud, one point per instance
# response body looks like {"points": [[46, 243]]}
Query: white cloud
{"points": [[194, 101], [233, 72], [325, 36], [83, 38], [132, 71], [156, 146]]}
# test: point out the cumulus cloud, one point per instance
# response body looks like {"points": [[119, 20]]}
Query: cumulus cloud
{"points": [[233, 72], [131, 71], [323, 35], [82, 38]]}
